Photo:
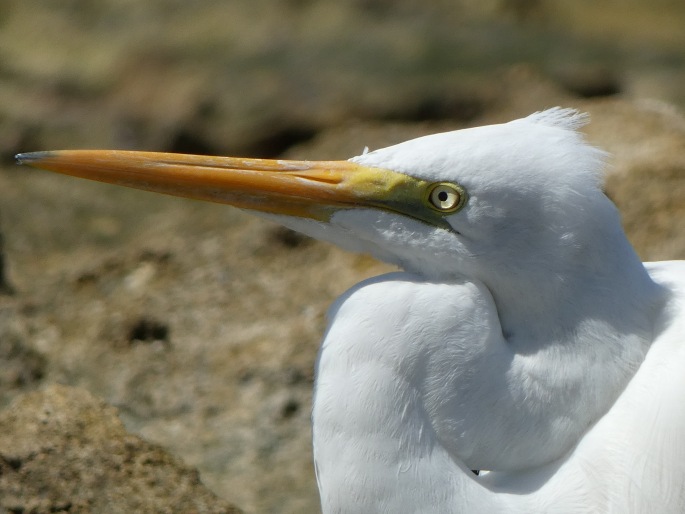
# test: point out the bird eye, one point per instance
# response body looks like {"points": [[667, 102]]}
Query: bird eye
{"points": [[447, 197]]}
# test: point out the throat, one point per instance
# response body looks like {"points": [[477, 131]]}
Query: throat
{"points": [[568, 349], [537, 311]]}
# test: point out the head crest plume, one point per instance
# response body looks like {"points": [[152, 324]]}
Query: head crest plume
{"points": [[566, 118]]}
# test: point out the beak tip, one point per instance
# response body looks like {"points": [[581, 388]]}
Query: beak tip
{"points": [[31, 157]]}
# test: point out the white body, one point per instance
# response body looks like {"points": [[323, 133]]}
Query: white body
{"points": [[529, 341], [375, 455]]}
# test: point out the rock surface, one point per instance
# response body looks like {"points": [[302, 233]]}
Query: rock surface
{"points": [[62, 450]]}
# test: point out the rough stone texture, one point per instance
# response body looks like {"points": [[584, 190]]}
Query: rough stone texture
{"points": [[62, 450]]}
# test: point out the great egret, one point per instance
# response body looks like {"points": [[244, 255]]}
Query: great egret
{"points": [[523, 337]]}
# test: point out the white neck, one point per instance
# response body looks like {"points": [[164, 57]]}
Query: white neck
{"points": [[603, 281], [574, 344], [407, 366]]}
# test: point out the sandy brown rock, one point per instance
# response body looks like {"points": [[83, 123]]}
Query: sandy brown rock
{"points": [[646, 175], [62, 450]]}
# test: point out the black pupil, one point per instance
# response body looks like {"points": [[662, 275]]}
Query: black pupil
{"points": [[442, 196]]}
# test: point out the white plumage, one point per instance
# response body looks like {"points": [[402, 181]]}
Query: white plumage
{"points": [[524, 336]]}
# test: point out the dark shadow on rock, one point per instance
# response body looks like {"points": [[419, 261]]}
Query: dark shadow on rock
{"points": [[188, 141], [287, 238], [276, 140], [459, 105], [146, 330], [589, 81]]}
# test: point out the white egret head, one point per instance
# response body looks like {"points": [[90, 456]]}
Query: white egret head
{"points": [[530, 189]]}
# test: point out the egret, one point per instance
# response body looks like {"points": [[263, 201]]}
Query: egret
{"points": [[522, 336]]}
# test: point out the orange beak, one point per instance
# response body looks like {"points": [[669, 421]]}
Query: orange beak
{"points": [[310, 189]]}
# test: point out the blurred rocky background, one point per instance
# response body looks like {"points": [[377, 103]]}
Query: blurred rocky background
{"points": [[196, 325]]}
